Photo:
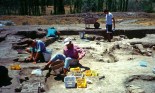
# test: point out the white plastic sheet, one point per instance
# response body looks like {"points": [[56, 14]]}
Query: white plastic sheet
{"points": [[37, 72]]}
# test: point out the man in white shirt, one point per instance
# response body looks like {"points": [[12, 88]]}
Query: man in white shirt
{"points": [[109, 22]]}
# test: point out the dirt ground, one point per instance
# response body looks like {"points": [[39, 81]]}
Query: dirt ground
{"points": [[146, 19], [124, 65], [116, 64]]}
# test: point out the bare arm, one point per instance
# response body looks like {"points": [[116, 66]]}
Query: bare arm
{"points": [[113, 22], [36, 56], [81, 52]]}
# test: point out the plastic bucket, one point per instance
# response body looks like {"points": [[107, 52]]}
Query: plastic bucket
{"points": [[70, 81], [82, 35], [47, 55]]}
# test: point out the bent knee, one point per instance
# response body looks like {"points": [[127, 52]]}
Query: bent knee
{"points": [[68, 59]]}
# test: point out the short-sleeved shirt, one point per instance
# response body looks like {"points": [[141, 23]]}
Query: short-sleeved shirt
{"points": [[76, 52], [51, 32], [109, 17], [40, 46]]}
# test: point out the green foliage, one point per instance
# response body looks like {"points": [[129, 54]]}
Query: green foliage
{"points": [[38, 7], [147, 6], [23, 7], [92, 6], [58, 7], [77, 6]]}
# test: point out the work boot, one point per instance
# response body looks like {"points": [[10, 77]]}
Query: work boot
{"points": [[65, 71]]}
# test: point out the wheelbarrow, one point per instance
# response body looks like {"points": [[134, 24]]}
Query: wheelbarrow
{"points": [[90, 19]]}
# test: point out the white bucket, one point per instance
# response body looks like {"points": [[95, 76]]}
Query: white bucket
{"points": [[70, 81], [82, 35], [47, 55]]}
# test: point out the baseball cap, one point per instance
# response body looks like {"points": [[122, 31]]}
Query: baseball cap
{"points": [[67, 41]]}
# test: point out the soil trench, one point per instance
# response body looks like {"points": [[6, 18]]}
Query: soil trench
{"points": [[116, 61]]}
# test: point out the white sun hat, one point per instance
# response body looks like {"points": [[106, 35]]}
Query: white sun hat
{"points": [[67, 41]]}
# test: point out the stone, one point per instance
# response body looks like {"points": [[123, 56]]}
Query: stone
{"points": [[134, 89], [140, 48]]}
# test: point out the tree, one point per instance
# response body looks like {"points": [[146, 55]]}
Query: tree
{"points": [[100, 5], [59, 7], [126, 5], [149, 7], [77, 6], [71, 6]]}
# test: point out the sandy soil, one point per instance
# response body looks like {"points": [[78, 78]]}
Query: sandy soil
{"points": [[116, 73]]}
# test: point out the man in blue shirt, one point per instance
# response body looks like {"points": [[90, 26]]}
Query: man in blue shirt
{"points": [[36, 50], [109, 21]]}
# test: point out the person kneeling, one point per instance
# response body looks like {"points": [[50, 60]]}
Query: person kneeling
{"points": [[36, 50]]}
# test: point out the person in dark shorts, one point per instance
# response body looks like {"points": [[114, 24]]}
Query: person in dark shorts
{"points": [[109, 22]]}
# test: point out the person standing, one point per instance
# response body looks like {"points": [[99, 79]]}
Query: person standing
{"points": [[110, 20]]}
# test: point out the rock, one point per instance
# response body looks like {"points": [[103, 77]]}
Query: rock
{"points": [[89, 81], [149, 50], [148, 44], [123, 36], [108, 60], [40, 29], [16, 46], [3, 36], [148, 78], [18, 89], [40, 34], [140, 48], [153, 47], [99, 38], [98, 43], [91, 38], [134, 89], [148, 54], [123, 46], [137, 42], [22, 79], [100, 60], [116, 38], [101, 77], [91, 48]]}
